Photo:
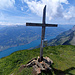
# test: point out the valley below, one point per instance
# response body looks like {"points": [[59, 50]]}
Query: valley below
{"points": [[13, 36]]}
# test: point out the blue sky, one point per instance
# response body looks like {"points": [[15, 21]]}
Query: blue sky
{"points": [[14, 12]]}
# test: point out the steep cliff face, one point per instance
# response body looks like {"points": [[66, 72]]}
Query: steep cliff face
{"points": [[65, 38], [72, 42], [73, 28]]}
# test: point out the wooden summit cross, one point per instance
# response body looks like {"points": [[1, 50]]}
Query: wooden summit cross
{"points": [[43, 25]]}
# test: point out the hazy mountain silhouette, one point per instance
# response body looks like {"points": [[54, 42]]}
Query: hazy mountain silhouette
{"points": [[65, 38]]}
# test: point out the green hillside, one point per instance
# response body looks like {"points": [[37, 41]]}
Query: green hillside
{"points": [[62, 56]]}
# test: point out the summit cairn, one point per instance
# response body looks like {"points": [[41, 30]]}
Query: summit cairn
{"points": [[40, 63]]}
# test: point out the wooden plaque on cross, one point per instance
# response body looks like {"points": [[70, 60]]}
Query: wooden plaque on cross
{"points": [[43, 25]]}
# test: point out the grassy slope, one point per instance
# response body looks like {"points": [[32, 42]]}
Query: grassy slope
{"points": [[63, 57]]}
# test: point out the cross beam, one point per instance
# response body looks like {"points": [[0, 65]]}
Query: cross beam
{"points": [[40, 24], [43, 25]]}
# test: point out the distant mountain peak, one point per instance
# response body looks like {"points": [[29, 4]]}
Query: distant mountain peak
{"points": [[65, 38], [73, 28]]}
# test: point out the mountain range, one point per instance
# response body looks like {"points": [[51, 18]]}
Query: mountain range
{"points": [[65, 38], [12, 36]]}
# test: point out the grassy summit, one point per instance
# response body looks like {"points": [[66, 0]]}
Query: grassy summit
{"points": [[62, 56]]}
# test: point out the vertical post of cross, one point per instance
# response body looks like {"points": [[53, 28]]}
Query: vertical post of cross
{"points": [[43, 33], [43, 25]]}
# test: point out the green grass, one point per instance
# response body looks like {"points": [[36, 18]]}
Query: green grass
{"points": [[62, 56]]}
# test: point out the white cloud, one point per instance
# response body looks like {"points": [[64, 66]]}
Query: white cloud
{"points": [[1, 16], [36, 7], [55, 8], [15, 20], [22, 8], [6, 3], [55, 11], [64, 1], [11, 24], [70, 13]]}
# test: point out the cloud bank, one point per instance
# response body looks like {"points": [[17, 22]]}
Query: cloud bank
{"points": [[21, 11], [6, 4], [55, 8]]}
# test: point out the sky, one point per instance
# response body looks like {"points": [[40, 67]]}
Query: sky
{"points": [[18, 12]]}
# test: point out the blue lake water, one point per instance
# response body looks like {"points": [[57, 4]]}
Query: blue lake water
{"points": [[22, 47]]}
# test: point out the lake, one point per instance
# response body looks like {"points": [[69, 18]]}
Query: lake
{"points": [[22, 47]]}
